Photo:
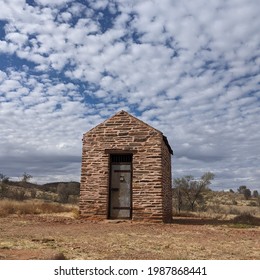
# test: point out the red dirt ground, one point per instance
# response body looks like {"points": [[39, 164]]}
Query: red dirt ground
{"points": [[43, 237]]}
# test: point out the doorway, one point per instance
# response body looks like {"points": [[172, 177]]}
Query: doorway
{"points": [[120, 189]]}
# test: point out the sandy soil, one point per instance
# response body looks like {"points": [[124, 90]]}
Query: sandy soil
{"points": [[43, 237]]}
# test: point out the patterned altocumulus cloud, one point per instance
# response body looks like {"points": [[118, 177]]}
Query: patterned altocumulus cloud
{"points": [[188, 68]]}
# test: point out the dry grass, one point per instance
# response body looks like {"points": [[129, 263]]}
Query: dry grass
{"points": [[229, 212], [53, 231], [10, 207], [226, 205]]}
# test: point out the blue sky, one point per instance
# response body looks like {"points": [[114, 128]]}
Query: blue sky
{"points": [[188, 68]]}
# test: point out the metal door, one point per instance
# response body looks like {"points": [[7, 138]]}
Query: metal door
{"points": [[120, 191]]}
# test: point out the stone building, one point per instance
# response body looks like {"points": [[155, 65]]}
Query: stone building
{"points": [[126, 171]]}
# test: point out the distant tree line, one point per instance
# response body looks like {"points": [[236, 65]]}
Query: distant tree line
{"points": [[247, 192]]}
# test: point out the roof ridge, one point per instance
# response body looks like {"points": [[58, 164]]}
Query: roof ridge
{"points": [[123, 112]]}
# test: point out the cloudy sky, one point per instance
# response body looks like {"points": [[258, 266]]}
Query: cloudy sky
{"points": [[189, 68]]}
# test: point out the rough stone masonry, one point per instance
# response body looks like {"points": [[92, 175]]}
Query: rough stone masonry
{"points": [[151, 190]]}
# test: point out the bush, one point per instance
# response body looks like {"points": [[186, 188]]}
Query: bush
{"points": [[25, 179], [18, 195], [252, 203], [68, 192], [247, 194], [247, 219], [234, 202], [33, 193], [234, 211], [3, 178], [3, 190], [63, 193]]}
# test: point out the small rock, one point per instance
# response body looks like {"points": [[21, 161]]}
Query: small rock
{"points": [[59, 256]]}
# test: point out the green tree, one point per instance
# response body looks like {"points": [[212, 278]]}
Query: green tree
{"points": [[245, 191], [3, 187], [26, 177], [241, 189], [247, 194], [3, 178], [192, 190], [178, 199], [63, 192], [255, 194]]}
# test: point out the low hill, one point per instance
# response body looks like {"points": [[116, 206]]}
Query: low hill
{"points": [[65, 192]]}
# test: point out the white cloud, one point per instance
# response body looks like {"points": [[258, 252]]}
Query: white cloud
{"points": [[190, 68], [17, 38], [52, 3]]}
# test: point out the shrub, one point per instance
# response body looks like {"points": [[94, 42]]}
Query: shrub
{"points": [[234, 202], [25, 179], [255, 194], [247, 194], [3, 190], [3, 178], [18, 195], [252, 203], [234, 211], [63, 193], [241, 189], [247, 219], [68, 192], [33, 193], [215, 208]]}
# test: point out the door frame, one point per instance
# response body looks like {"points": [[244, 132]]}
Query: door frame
{"points": [[110, 182]]}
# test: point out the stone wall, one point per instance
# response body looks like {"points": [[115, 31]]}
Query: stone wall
{"points": [[166, 183], [124, 133]]}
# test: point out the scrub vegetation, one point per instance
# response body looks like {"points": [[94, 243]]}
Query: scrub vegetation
{"points": [[43, 222]]}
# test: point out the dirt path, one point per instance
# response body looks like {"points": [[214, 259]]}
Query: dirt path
{"points": [[36, 237]]}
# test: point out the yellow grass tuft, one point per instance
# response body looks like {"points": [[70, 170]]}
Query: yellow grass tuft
{"points": [[9, 207]]}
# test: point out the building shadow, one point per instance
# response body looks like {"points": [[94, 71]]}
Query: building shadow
{"points": [[198, 221]]}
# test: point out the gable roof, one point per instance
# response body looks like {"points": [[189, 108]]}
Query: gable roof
{"points": [[124, 113]]}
